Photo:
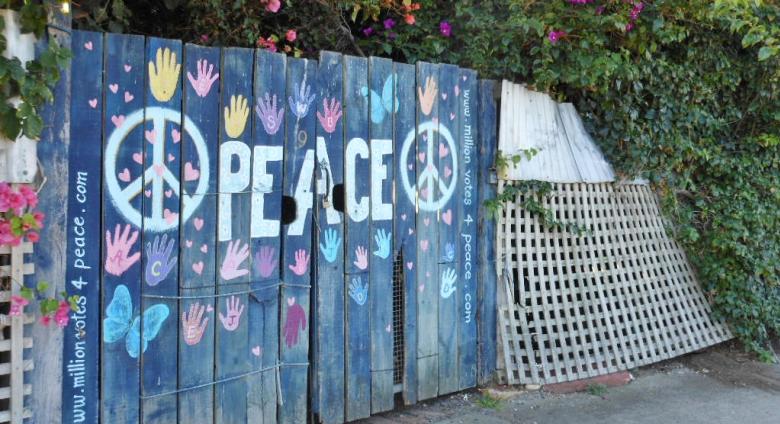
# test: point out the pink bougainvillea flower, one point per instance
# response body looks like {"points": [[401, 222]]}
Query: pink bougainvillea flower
{"points": [[61, 316], [29, 195], [7, 237], [629, 26], [204, 38], [409, 19], [554, 36], [45, 320], [368, 31], [273, 5], [389, 23], [580, 1], [291, 35], [445, 28], [5, 191], [33, 236], [600, 9], [17, 203], [17, 305], [39, 216]]}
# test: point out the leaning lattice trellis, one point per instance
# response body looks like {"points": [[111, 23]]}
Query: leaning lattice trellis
{"points": [[12, 340], [620, 296]]}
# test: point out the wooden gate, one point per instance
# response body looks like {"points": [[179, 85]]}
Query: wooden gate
{"points": [[274, 238]]}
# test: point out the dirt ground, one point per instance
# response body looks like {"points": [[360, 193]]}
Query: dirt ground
{"points": [[722, 384]]}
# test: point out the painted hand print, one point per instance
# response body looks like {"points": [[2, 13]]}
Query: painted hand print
{"points": [[194, 324], [362, 257], [358, 291], [303, 99], [295, 322], [385, 104], [449, 252], [427, 97], [269, 115], [234, 257], [118, 248], [330, 116], [301, 262], [235, 116], [119, 322], [265, 261], [202, 84], [382, 239], [448, 279], [330, 249], [234, 311], [164, 75], [158, 259]]}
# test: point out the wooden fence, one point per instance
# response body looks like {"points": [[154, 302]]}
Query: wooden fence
{"points": [[263, 237]]}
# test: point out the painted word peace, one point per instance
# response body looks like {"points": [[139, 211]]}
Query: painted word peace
{"points": [[158, 173], [434, 191]]}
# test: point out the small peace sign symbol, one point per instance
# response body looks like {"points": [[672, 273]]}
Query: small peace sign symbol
{"points": [[437, 190], [157, 175]]}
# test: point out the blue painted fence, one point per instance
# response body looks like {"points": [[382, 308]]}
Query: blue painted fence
{"points": [[273, 239]]}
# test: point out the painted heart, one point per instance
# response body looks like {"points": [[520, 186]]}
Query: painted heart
{"points": [[427, 221], [93, 103], [435, 120], [428, 274], [425, 136], [198, 223], [209, 308], [443, 150], [118, 120], [170, 217], [389, 328], [257, 351], [128, 68], [410, 265], [411, 231], [124, 175], [128, 97], [291, 301], [113, 87], [424, 245], [175, 135], [188, 243], [447, 171], [148, 193], [190, 173], [171, 157], [452, 116], [204, 248], [444, 96], [198, 267], [410, 166], [421, 156], [429, 167], [168, 193], [447, 217], [88, 45], [151, 136], [421, 288], [457, 90], [424, 193], [159, 169], [138, 158], [403, 216], [464, 78]]}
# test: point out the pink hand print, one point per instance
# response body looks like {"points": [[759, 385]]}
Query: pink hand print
{"points": [[193, 324], [233, 260], [301, 262], [234, 311], [362, 257], [268, 114], [202, 84], [330, 116], [265, 261], [118, 249]]}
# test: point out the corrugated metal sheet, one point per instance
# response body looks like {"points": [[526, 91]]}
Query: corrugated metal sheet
{"points": [[566, 153]]}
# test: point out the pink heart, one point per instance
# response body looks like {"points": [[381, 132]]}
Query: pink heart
{"points": [[118, 120], [411, 231], [128, 68], [204, 248], [148, 193], [124, 175], [170, 217], [113, 87], [421, 288], [198, 223], [88, 45], [256, 351], [168, 193], [424, 193], [410, 265], [426, 221], [464, 78], [151, 136], [176, 135], [389, 328], [410, 166], [291, 301], [198, 267], [424, 245], [435, 120], [171, 157], [159, 169], [128, 97], [447, 217], [447, 171], [452, 116], [444, 96], [443, 150], [457, 90], [425, 136], [188, 243], [403, 216], [190, 173], [421, 156], [209, 308], [138, 158], [93, 103]]}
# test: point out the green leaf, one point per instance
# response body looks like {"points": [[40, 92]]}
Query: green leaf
{"points": [[766, 52], [42, 286]]}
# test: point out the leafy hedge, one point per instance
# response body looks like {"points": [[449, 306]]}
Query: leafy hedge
{"points": [[682, 92]]}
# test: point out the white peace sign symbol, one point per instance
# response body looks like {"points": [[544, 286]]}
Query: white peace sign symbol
{"points": [[122, 197], [429, 177]]}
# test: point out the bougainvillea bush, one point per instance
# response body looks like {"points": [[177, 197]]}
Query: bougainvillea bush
{"points": [[681, 92]]}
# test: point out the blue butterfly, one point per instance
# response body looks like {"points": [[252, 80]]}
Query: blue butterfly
{"points": [[384, 104], [119, 322]]}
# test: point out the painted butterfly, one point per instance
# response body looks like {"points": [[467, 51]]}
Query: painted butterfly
{"points": [[119, 322]]}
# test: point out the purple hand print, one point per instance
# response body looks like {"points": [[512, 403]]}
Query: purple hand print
{"points": [[330, 116], [158, 264], [265, 261], [202, 84], [296, 322], [269, 115], [234, 311], [303, 99]]}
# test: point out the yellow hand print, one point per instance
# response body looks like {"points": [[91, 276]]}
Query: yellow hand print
{"points": [[164, 77], [235, 116]]}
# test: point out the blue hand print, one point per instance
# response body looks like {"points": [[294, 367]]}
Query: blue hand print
{"points": [[303, 99], [358, 291], [158, 264], [331, 247], [449, 252], [382, 239]]}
